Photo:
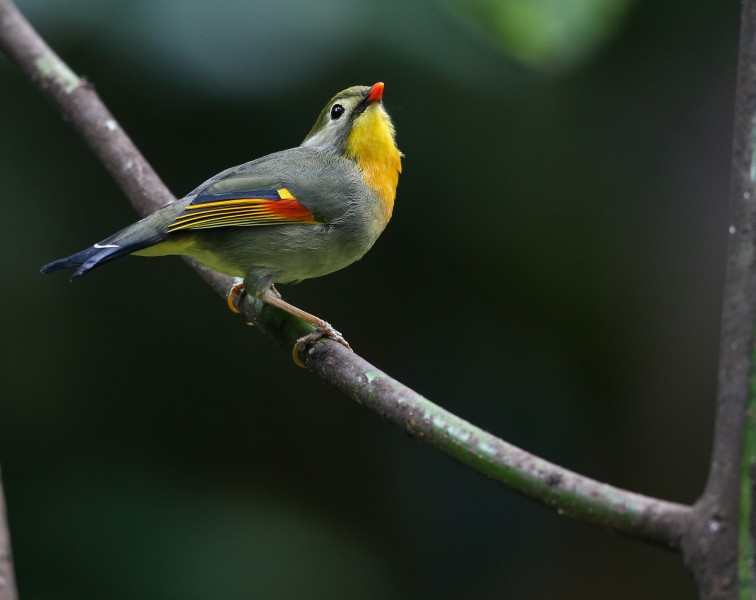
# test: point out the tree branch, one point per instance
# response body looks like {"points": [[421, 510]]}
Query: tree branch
{"points": [[631, 514], [711, 545], [7, 579]]}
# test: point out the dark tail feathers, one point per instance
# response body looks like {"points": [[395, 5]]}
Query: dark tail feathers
{"points": [[91, 257]]}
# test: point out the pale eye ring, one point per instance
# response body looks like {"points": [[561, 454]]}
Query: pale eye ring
{"points": [[336, 111]]}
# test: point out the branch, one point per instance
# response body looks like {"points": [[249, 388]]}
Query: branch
{"points": [[631, 514], [746, 522], [711, 545], [7, 579]]}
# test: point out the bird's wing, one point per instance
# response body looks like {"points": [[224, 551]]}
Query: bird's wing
{"points": [[299, 185], [241, 208]]}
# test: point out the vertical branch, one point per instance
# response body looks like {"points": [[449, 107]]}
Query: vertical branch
{"points": [[746, 533], [711, 546], [7, 579]]}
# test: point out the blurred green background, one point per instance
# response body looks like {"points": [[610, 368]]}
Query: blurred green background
{"points": [[553, 273]]}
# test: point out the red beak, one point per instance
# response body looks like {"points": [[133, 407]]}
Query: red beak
{"points": [[376, 92]]}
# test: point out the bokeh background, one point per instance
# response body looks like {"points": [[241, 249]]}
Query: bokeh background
{"points": [[553, 273]]}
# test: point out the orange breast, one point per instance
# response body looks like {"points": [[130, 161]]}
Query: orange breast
{"points": [[371, 145]]}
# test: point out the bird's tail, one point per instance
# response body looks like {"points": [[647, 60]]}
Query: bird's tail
{"points": [[111, 248], [86, 260]]}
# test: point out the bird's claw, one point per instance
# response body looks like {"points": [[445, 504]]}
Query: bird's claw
{"points": [[323, 330], [234, 297]]}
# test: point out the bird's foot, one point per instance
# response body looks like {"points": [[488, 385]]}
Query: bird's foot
{"points": [[234, 296], [237, 291], [323, 329]]}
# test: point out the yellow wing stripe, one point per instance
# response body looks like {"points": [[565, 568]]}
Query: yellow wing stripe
{"points": [[223, 203], [243, 212]]}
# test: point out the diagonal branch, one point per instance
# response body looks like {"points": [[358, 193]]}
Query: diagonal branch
{"points": [[631, 514]]}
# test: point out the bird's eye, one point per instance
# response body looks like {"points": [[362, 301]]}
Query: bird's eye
{"points": [[336, 111]]}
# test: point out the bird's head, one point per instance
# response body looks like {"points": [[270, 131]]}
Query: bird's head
{"points": [[354, 124]]}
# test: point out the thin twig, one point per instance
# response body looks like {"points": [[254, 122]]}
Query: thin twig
{"points": [[645, 518]]}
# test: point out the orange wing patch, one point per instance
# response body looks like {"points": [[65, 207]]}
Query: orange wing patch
{"points": [[246, 209]]}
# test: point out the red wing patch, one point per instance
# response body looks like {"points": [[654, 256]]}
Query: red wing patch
{"points": [[251, 208]]}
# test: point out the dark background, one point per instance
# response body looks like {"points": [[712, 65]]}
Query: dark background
{"points": [[552, 273]]}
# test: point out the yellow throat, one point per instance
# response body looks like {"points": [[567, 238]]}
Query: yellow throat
{"points": [[371, 145]]}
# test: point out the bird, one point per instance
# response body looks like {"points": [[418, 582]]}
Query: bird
{"points": [[288, 216]]}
